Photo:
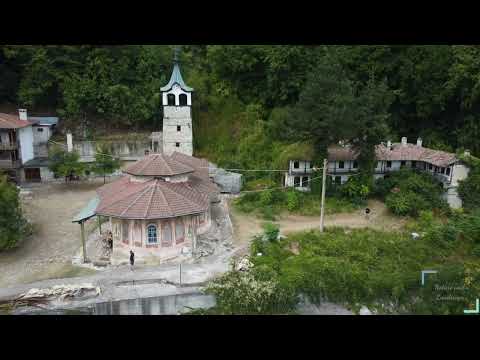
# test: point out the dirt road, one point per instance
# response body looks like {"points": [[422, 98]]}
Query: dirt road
{"points": [[246, 226], [48, 253]]}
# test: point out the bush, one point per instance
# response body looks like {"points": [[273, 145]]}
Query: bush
{"points": [[244, 293], [293, 201], [406, 203], [13, 226], [408, 192], [271, 231], [355, 189]]}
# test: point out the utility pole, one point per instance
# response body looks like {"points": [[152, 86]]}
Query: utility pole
{"points": [[324, 183]]}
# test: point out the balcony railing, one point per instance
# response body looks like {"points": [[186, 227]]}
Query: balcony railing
{"points": [[9, 164], [4, 146]]}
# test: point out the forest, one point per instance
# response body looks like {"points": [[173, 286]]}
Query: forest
{"points": [[252, 101]]}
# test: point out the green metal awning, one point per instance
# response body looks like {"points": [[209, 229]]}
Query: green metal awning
{"points": [[88, 211]]}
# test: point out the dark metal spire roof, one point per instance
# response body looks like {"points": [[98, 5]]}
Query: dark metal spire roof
{"points": [[176, 77]]}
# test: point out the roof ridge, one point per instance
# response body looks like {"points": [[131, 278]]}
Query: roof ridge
{"points": [[166, 201], [116, 201], [149, 204], [135, 201], [183, 196], [167, 165]]}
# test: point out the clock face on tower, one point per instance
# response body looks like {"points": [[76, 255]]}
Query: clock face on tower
{"points": [[176, 87]]}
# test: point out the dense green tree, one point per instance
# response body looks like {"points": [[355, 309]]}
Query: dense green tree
{"points": [[13, 226], [334, 108], [66, 164], [105, 163]]}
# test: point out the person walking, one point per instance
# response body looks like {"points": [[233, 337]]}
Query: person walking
{"points": [[132, 259]]}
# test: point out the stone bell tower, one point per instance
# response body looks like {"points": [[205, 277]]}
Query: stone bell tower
{"points": [[177, 113]]}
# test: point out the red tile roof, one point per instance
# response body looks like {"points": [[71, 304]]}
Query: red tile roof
{"points": [[8, 121], [157, 198], [398, 151], [153, 199], [414, 152], [200, 165], [158, 165]]}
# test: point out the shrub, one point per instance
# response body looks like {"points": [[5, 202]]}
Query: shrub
{"points": [[415, 192], [244, 293], [13, 226], [355, 189], [293, 200], [266, 197], [271, 231]]}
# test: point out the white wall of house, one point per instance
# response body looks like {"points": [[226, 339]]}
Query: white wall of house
{"points": [[25, 136], [41, 134], [298, 181], [452, 198], [340, 166], [459, 173], [300, 167]]}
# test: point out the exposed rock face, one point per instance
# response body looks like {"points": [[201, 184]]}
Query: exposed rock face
{"points": [[62, 292]]}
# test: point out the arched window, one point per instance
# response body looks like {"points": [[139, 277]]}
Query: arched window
{"points": [[183, 100], [151, 234], [166, 234], [179, 231], [171, 99]]}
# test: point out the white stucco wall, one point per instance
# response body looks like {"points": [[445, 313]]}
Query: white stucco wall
{"points": [[176, 90], [459, 172], [304, 167], [334, 166], [25, 136], [41, 134], [290, 181]]}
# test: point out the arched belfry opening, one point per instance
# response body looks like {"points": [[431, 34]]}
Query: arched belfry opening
{"points": [[177, 116]]}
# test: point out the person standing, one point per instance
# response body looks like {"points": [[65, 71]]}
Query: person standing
{"points": [[132, 259]]}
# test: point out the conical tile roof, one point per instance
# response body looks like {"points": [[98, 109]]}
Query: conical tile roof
{"points": [[153, 199], [158, 165]]}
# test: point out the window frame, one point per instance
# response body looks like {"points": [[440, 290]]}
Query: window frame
{"points": [[180, 102], [148, 234], [171, 97], [305, 183], [341, 164], [297, 183], [177, 144], [355, 164], [179, 128], [296, 164], [389, 164]]}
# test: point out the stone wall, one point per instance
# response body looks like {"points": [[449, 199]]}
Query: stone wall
{"points": [[177, 130]]}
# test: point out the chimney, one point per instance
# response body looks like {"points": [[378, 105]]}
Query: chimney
{"points": [[22, 114], [69, 142], [389, 144], [404, 141], [419, 142], [466, 153]]}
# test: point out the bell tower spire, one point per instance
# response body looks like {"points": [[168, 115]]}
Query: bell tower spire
{"points": [[177, 115]]}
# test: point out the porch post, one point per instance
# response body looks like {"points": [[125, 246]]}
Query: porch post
{"points": [[99, 224], [82, 227]]}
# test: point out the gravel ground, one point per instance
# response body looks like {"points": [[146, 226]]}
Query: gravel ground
{"points": [[48, 252]]}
